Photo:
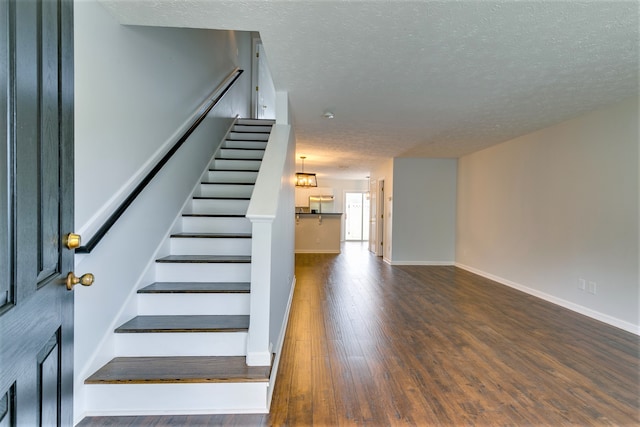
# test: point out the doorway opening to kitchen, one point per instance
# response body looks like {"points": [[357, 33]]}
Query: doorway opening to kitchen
{"points": [[356, 216]]}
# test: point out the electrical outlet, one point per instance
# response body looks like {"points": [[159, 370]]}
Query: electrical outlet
{"points": [[582, 284], [592, 287]]}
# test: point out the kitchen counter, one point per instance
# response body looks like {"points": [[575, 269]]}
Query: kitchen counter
{"points": [[318, 232]]}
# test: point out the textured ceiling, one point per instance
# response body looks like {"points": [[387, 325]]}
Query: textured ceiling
{"points": [[423, 78]]}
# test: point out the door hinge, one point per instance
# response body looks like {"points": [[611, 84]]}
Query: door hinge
{"points": [[257, 54], [257, 89]]}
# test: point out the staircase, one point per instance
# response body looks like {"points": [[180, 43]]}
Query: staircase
{"points": [[185, 350]]}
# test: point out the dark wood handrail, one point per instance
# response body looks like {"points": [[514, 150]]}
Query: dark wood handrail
{"points": [[102, 231]]}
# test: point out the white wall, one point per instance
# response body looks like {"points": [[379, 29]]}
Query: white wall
{"points": [[546, 209], [135, 89], [424, 211], [282, 249]]}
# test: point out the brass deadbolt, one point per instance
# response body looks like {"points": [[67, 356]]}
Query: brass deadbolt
{"points": [[72, 240]]}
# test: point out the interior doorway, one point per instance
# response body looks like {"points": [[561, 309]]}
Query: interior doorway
{"points": [[356, 216], [264, 95]]}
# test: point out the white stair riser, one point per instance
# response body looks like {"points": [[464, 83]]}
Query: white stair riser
{"points": [[225, 190], [195, 224], [162, 344], [216, 206], [249, 136], [255, 122], [145, 399], [232, 176], [210, 246], [244, 165], [244, 144], [205, 272], [193, 304], [249, 128], [231, 153]]}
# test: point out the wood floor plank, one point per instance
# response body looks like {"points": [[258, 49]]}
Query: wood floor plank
{"points": [[322, 390], [439, 346], [300, 411]]}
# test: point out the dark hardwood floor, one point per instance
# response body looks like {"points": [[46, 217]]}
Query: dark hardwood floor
{"points": [[371, 344]]}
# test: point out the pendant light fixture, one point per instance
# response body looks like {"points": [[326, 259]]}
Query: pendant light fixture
{"points": [[305, 179]]}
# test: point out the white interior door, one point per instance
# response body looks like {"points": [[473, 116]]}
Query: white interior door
{"points": [[381, 236], [373, 214]]}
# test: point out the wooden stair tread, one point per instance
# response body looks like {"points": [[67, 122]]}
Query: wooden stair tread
{"points": [[246, 121], [196, 287], [232, 170], [251, 131], [190, 323], [226, 183], [214, 215], [185, 369], [243, 159], [243, 148], [220, 198], [206, 259], [213, 235]]}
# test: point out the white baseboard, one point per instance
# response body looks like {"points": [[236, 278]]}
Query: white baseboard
{"points": [[445, 263], [605, 318], [280, 345]]}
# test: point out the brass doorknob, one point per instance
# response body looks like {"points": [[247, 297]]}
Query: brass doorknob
{"points": [[84, 280], [71, 240]]}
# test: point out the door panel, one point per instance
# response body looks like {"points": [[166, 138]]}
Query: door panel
{"points": [[48, 183], [36, 190], [5, 160]]}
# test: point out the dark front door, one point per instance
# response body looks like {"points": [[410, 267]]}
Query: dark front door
{"points": [[36, 212]]}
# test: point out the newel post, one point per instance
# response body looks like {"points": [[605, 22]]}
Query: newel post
{"points": [[258, 345]]}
